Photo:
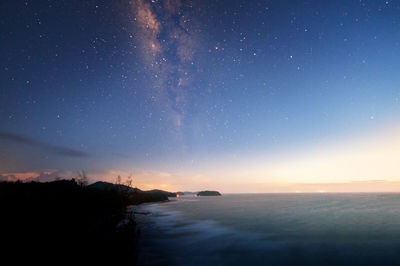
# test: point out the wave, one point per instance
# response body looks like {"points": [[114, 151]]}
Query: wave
{"points": [[172, 237], [202, 242]]}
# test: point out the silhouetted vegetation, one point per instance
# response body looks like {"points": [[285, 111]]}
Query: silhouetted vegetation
{"points": [[134, 195], [70, 221]]}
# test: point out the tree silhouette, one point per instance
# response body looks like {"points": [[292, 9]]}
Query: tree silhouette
{"points": [[82, 179]]}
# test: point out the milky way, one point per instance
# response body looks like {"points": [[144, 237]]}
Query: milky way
{"points": [[167, 39]]}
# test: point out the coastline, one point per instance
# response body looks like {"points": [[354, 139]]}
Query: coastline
{"points": [[47, 217]]}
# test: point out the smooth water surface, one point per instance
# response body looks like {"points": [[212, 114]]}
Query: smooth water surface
{"points": [[273, 229]]}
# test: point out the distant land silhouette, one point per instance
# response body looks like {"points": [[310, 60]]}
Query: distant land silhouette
{"points": [[208, 193]]}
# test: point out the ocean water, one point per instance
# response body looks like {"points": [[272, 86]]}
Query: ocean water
{"points": [[272, 229]]}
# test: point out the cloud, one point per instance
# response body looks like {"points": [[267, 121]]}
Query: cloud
{"points": [[68, 152], [38, 176], [58, 150], [152, 179]]}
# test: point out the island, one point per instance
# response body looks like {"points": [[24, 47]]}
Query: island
{"points": [[208, 193]]}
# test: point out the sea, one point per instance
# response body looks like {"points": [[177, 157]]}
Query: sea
{"points": [[271, 229]]}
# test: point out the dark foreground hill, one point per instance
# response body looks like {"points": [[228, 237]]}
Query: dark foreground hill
{"points": [[137, 196], [63, 222]]}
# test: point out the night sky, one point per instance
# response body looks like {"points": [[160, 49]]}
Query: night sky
{"points": [[185, 95]]}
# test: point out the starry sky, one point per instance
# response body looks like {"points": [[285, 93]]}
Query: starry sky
{"points": [[241, 96]]}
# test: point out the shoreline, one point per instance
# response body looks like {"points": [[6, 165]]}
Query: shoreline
{"points": [[100, 221]]}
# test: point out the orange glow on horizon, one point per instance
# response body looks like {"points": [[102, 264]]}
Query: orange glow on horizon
{"points": [[367, 164]]}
